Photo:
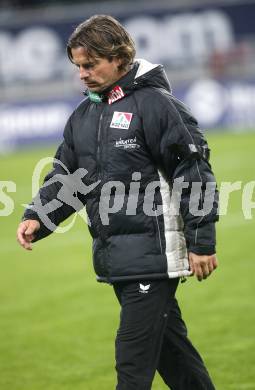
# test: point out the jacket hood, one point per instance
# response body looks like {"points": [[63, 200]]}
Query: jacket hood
{"points": [[152, 75]]}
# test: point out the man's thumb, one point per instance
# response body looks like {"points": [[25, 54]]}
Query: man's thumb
{"points": [[30, 230]]}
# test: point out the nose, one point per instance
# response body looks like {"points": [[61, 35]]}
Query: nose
{"points": [[84, 73]]}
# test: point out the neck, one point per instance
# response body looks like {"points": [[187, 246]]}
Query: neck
{"points": [[120, 76]]}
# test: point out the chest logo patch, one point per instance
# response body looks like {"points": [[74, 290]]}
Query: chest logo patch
{"points": [[121, 120]]}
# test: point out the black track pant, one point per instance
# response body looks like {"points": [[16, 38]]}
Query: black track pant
{"points": [[152, 336]]}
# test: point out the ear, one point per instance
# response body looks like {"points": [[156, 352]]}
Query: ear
{"points": [[118, 62]]}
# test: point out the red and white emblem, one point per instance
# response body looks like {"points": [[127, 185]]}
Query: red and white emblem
{"points": [[121, 120], [115, 94]]}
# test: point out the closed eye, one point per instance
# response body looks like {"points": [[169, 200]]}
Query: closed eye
{"points": [[87, 66]]}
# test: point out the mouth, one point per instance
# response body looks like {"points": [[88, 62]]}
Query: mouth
{"points": [[91, 85]]}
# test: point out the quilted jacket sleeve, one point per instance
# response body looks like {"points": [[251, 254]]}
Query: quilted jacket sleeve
{"points": [[46, 206], [181, 153]]}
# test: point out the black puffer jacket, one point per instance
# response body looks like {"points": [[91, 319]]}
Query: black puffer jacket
{"points": [[135, 145]]}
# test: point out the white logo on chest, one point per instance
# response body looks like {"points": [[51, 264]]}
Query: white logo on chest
{"points": [[129, 143]]}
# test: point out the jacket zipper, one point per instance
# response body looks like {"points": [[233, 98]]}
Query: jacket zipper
{"points": [[98, 147], [159, 234], [99, 175]]}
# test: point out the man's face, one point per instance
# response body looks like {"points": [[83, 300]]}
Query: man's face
{"points": [[96, 73]]}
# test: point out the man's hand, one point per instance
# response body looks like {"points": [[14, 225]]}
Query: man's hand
{"points": [[202, 265], [26, 231]]}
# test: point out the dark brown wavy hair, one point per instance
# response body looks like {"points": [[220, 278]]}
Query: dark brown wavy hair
{"points": [[103, 36]]}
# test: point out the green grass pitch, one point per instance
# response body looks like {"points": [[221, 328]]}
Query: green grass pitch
{"points": [[57, 324]]}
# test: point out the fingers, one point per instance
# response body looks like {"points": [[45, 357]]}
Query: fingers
{"points": [[25, 233], [23, 239], [205, 270], [202, 266], [195, 268], [211, 267], [30, 230], [214, 262]]}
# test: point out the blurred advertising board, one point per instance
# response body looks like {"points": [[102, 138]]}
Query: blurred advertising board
{"points": [[39, 88], [175, 37], [29, 123]]}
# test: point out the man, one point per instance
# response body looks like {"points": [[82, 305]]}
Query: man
{"points": [[141, 149]]}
